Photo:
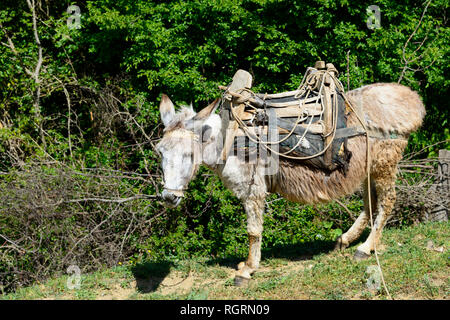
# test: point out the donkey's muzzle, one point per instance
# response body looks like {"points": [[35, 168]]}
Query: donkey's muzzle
{"points": [[170, 198]]}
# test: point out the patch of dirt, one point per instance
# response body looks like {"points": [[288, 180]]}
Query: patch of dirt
{"points": [[419, 237], [116, 293], [176, 282], [298, 266], [408, 297]]}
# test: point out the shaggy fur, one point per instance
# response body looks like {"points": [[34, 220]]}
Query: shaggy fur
{"points": [[386, 108], [383, 106], [389, 107]]}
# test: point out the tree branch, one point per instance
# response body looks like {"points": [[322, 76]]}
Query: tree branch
{"points": [[407, 62], [36, 73]]}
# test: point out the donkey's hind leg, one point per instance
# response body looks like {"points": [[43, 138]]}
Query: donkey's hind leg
{"points": [[360, 223], [385, 204], [384, 173], [353, 233]]}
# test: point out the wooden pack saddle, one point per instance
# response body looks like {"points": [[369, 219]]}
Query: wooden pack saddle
{"points": [[310, 122]]}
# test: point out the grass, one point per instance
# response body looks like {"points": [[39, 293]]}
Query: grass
{"points": [[411, 271]]}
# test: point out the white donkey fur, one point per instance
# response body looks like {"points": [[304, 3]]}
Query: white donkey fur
{"points": [[387, 108]]}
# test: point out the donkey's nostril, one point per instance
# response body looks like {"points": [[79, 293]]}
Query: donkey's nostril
{"points": [[170, 198], [167, 195]]}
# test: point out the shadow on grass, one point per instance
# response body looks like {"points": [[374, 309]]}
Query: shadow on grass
{"points": [[293, 252], [149, 275]]}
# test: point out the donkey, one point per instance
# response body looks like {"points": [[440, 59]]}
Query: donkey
{"points": [[389, 109]]}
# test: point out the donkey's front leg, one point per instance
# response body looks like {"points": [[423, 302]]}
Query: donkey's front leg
{"points": [[254, 207]]}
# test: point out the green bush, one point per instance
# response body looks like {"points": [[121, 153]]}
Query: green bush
{"points": [[88, 127]]}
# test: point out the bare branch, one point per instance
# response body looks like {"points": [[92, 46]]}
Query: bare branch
{"points": [[120, 200], [408, 62], [36, 73]]}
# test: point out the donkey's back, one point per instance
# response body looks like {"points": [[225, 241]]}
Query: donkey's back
{"points": [[389, 107]]}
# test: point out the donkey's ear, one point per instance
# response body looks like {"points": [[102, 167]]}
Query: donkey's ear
{"points": [[166, 110], [206, 112]]}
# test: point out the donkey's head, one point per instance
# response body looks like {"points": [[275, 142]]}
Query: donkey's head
{"points": [[186, 134]]}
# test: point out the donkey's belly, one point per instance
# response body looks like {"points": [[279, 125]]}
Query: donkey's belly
{"points": [[312, 189], [303, 184]]}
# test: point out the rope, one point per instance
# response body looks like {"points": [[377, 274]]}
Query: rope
{"points": [[371, 217], [308, 80], [368, 160]]}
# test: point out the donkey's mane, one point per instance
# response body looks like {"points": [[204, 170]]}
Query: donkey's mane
{"points": [[179, 118]]}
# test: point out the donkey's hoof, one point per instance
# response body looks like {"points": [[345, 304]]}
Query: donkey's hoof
{"points": [[241, 281], [360, 255], [340, 244]]}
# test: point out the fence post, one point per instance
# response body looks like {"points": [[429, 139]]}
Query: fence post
{"points": [[441, 190]]}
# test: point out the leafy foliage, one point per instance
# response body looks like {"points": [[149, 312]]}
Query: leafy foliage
{"points": [[94, 104]]}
